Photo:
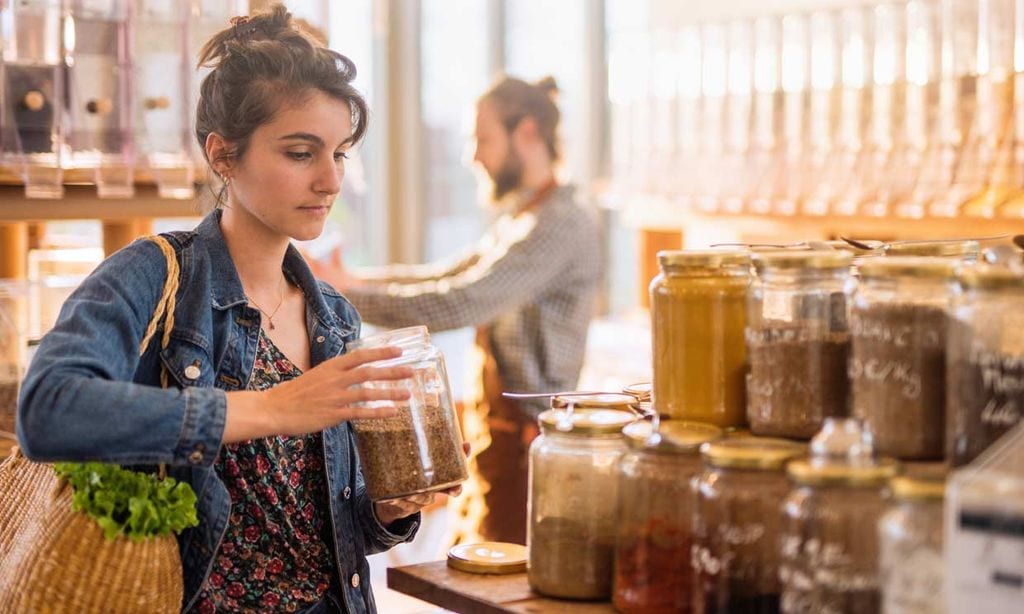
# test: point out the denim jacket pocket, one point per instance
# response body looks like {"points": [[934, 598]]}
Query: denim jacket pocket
{"points": [[188, 363]]}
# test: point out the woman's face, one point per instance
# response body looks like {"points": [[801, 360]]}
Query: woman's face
{"points": [[291, 172]]}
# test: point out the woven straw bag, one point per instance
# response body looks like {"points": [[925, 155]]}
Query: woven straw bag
{"points": [[54, 559]]}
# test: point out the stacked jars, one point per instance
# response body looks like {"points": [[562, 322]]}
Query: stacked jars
{"points": [[572, 502], [985, 362], [910, 537], [698, 314], [736, 525], [829, 545], [652, 560], [898, 358], [419, 450], [798, 341]]}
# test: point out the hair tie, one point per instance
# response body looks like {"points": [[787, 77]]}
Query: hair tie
{"points": [[243, 28]]}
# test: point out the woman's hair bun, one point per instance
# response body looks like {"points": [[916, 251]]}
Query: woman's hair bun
{"points": [[548, 85]]}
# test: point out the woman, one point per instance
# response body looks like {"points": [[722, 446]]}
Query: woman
{"points": [[256, 418]]}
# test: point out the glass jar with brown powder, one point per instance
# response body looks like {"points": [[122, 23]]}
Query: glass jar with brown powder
{"points": [[798, 341], [698, 313], [985, 376], [897, 363]]}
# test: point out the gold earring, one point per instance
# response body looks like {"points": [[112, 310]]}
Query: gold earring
{"points": [[226, 179]]}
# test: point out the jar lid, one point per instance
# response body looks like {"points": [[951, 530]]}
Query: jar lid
{"points": [[908, 266], [673, 436], [488, 558], [748, 452], [817, 473], [641, 390], [807, 259], [918, 488], [990, 277], [586, 421], [703, 259], [604, 400], [933, 248]]}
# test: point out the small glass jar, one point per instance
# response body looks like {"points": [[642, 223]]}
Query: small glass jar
{"points": [[652, 556], [829, 544], [698, 313], [572, 503], [420, 449], [736, 524], [910, 557], [985, 362], [898, 356], [961, 251], [798, 341]]}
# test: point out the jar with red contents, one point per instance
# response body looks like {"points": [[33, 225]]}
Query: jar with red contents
{"points": [[652, 556]]}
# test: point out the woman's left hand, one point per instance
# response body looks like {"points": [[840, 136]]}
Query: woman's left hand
{"points": [[395, 509]]}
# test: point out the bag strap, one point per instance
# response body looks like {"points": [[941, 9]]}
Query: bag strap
{"points": [[165, 305]]}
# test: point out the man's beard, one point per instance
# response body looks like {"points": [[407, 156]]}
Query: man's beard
{"points": [[508, 177]]}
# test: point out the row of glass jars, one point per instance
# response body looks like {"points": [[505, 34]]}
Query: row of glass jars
{"points": [[801, 340], [678, 518]]}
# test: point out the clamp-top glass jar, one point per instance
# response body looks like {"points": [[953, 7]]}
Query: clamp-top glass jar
{"points": [[572, 502], [420, 449], [985, 362], [698, 313], [910, 538], [798, 341], [736, 524], [652, 556], [898, 355]]}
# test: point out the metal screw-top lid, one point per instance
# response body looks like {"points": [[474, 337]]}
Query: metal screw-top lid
{"points": [[488, 558], [918, 488], [599, 422], [759, 453], [641, 390], [672, 436], [604, 400], [968, 248], [807, 259], [842, 453], [990, 277], [703, 259], [908, 266]]}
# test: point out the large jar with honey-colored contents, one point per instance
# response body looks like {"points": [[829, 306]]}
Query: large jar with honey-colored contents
{"points": [[652, 556], [735, 552], [698, 315]]}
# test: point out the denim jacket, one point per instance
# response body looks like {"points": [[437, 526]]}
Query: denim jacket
{"points": [[89, 396]]}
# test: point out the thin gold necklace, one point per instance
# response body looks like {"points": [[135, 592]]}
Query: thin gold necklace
{"points": [[270, 315]]}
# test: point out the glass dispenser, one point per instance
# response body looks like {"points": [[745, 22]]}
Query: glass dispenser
{"points": [[824, 159], [96, 40], [162, 72], [765, 161], [713, 89], [855, 121], [796, 102], [32, 141], [1014, 204], [739, 104], [688, 155]]}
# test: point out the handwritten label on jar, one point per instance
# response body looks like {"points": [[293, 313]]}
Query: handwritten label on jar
{"points": [[913, 580], [986, 400]]}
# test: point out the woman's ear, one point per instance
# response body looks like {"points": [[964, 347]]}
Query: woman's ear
{"points": [[220, 153]]}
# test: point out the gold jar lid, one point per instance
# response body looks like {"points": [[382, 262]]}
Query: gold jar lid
{"points": [[807, 259], [944, 249], [602, 422], [604, 400], [989, 277], [641, 390], [703, 259], [811, 473], [908, 266], [673, 436], [488, 558], [917, 488], [747, 452]]}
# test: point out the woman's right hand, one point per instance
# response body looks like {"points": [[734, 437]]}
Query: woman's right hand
{"points": [[319, 398]]}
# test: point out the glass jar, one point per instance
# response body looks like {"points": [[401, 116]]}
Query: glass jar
{"points": [[698, 313], [829, 544], [736, 524], [12, 350], [985, 362], [420, 449], [652, 556], [798, 341], [963, 251], [619, 401], [643, 391], [572, 502], [898, 356], [910, 548]]}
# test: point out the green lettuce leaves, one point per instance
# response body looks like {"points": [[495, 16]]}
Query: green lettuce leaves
{"points": [[139, 505]]}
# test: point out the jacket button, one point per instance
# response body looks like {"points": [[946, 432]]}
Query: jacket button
{"points": [[347, 493], [355, 580], [196, 457], [320, 339], [192, 372]]}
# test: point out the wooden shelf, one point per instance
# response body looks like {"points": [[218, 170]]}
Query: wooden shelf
{"points": [[81, 202], [469, 593]]}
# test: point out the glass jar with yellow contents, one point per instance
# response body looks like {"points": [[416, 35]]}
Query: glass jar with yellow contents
{"points": [[698, 314]]}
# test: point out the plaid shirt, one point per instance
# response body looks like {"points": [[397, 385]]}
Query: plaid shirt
{"points": [[532, 278]]}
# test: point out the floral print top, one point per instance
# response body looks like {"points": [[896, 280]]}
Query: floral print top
{"points": [[275, 555]]}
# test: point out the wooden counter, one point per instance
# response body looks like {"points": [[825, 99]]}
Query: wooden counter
{"points": [[468, 593]]}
